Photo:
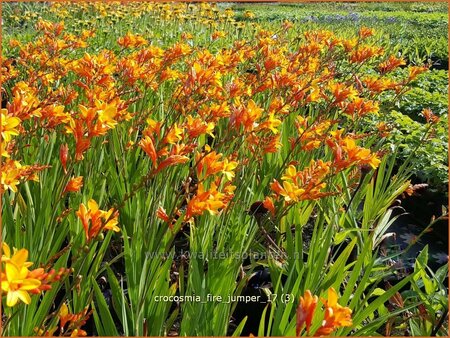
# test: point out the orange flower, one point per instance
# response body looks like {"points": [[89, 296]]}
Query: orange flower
{"points": [[276, 187], [361, 107], [218, 34], [177, 50], [169, 74], [366, 32], [349, 44], [97, 119], [152, 127], [75, 320], [287, 25], [52, 28], [347, 153], [415, 71], [74, 184], [246, 116], [271, 144], [55, 115], [364, 53], [82, 142], [210, 200], [390, 64], [196, 127], [291, 192], [383, 129], [172, 160], [429, 116], [147, 145], [303, 185], [95, 220], [271, 63], [378, 85], [305, 311], [268, 204], [210, 164], [64, 315], [342, 92], [93, 67], [186, 36], [336, 316], [131, 40], [47, 278], [25, 103]]}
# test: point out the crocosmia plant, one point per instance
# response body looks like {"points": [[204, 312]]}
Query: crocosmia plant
{"points": [[203, 169]]}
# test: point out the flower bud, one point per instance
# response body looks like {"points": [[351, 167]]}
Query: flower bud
{"points": [[63, 155]]}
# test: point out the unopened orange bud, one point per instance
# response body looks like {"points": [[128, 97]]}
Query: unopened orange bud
{"points": [[63, 155], [161, 214]]}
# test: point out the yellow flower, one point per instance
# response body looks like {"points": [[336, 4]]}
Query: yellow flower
{"points": [[228, 168], [290, 173], [175, 134], [106, 113], [18, 258], [11, 174], [112, 223], [4, 150], [249, 15], [9, 124], [16, 284], [271, 123], [291, 192]]}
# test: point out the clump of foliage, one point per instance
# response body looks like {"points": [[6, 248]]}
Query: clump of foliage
{"points": [[150, 172]]}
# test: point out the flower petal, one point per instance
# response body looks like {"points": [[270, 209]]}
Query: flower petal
{"points": [[20, 257], [12, 273], [30, 284], [24, 296], [11, 298]]}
